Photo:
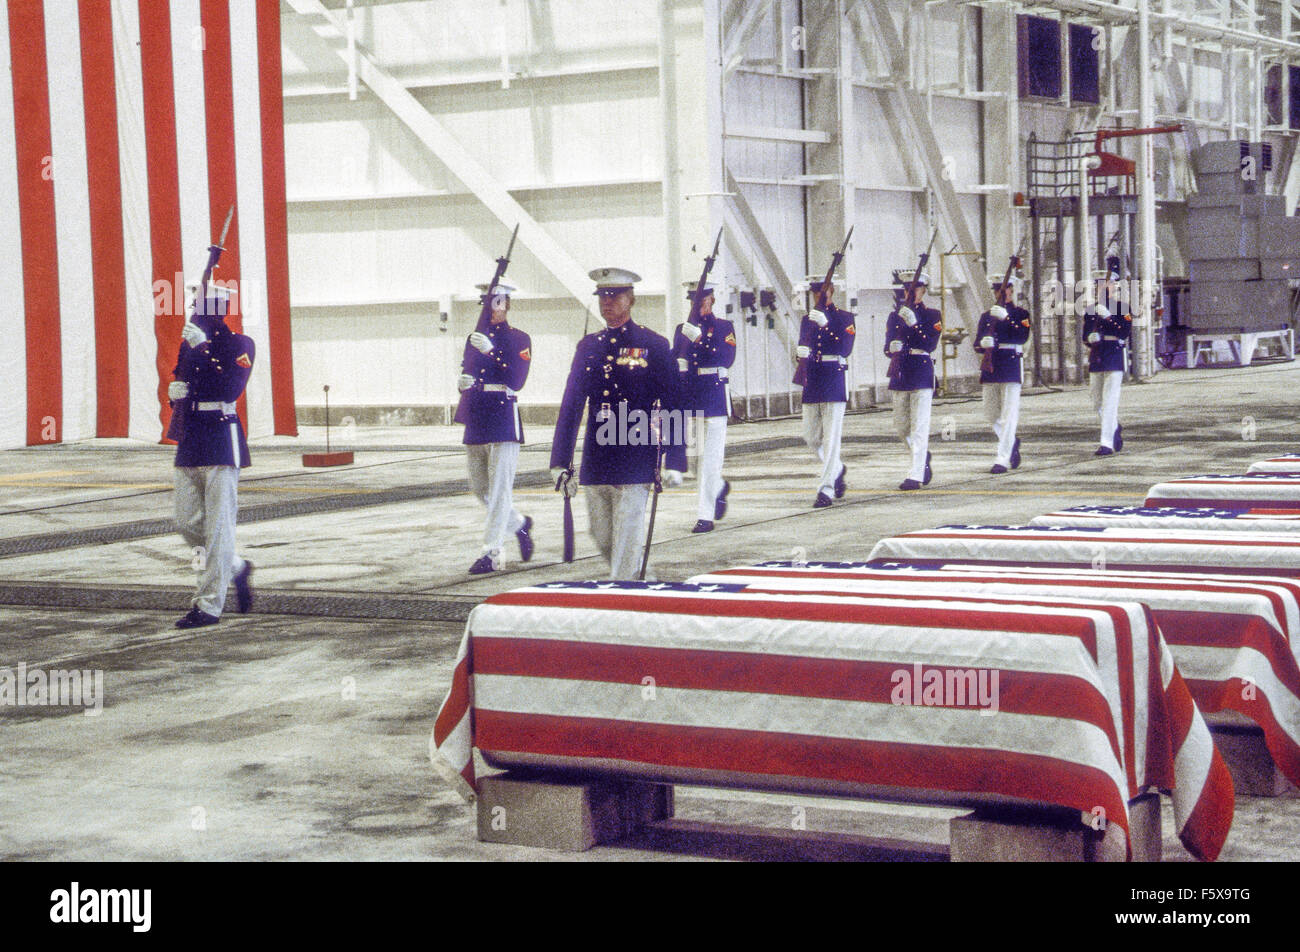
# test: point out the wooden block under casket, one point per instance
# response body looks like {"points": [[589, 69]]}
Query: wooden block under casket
{"points": [[1241, 744], [1000, 835]]}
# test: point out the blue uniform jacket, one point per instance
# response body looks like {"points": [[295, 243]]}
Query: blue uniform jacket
{"points": [[1108, 354], [1012, 329], [828, 352], [715, 351], [217, 372], [615, 374], [915, 371], [490, 410]]}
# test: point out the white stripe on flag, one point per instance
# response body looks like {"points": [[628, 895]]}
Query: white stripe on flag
{"points": [[72, 222], [191, 137], [252, 218], [141, 345], [13, 319]]}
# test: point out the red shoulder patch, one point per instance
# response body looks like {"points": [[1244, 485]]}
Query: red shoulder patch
{"points": [[850, 329], [526, 353], [244, 361], [730, 339]]}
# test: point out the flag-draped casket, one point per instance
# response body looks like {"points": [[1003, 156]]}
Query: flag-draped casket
{"points": [[1235, 639], [127, 130], [1252, 491], [1286, 463], [1099, 547], [874, 695], [1169, 517]]}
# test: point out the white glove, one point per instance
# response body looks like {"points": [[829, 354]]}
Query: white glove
{"points": [[997, 311], [803, 351], [480, 342], [691, 332], [908, 315], [895, 346], [193, 334], [464, 382], [986, 342], [564, 482], [1094, 337], [683, 364], [819, 318], [672, 478], [178, 390]]}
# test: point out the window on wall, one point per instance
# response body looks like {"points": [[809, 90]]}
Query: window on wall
{"points": [[1039, 48], [1085, 59], [1293, 79]]}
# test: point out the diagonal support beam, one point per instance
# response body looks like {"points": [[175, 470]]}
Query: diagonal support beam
{"points": [[750, 235], [738, 37], [548, 252], [908, 120]]}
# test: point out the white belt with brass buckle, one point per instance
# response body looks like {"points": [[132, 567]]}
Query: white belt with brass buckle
{"points": [[917, 350], [834, 359], [215, 405], [720, 371], [1018, 348], [500, 388], [1113, 340]]}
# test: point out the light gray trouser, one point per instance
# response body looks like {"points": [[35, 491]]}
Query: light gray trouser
{"points": [[617, 515], [207, 503], [1105, 399], [1002, 410], [912, 420], [823, 427], [711, 444], [492, 479]]}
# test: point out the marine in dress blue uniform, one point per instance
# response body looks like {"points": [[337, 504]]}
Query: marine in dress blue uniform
{"points": [[1000, 339], [1107, 337], [617, 378], [211, 372], [826, 339], [705, 351], [496, 363], [911, 335]]}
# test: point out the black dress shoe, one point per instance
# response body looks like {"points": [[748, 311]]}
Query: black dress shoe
{"points": [[1119, 437], [719, 506], [928, 473], [244, 588], [841, 487], [524, 535], [822, 501], [703, 526], [1015, 454], [483, 566], [998, 469], [909, 484], [197, 619], [1104, 451]]}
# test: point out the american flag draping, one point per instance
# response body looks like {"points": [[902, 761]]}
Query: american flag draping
{"points": [[1169, 517], [792, 689], [127, 129], [1286, 463], [1236, 491]]}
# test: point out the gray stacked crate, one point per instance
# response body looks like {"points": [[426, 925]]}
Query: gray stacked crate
{"points": [[1244, 248]]}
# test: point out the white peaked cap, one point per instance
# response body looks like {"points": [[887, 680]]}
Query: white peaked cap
{"points": [[500, 288], [613, 278]]}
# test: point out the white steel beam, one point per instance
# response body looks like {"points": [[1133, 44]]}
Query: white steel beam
{"points": [[750, 233], [450, 152], [738, 36]]}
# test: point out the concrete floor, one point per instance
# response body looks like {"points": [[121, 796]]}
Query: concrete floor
{"points": [[301, 730]]}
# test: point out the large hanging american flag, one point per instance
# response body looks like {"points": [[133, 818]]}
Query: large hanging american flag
{"points": [[1239, 491], [1169, 517], [1235, 640], [1287, 463], [127, 129], [682, 682], [1171, 550]]}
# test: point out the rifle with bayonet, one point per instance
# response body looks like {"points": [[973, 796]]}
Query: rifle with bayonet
{"points": [[471, 361], [986, 364], [176, 425], [896, 360], [824, 294], [699, 294]]}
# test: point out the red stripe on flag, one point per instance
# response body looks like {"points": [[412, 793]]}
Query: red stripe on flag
{"points": [[108, 260], [38, 241], [275, 210], [1031, 777], [1233, 503], [223, 191], [1231, 695], [456, 705], [161, 167]]}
